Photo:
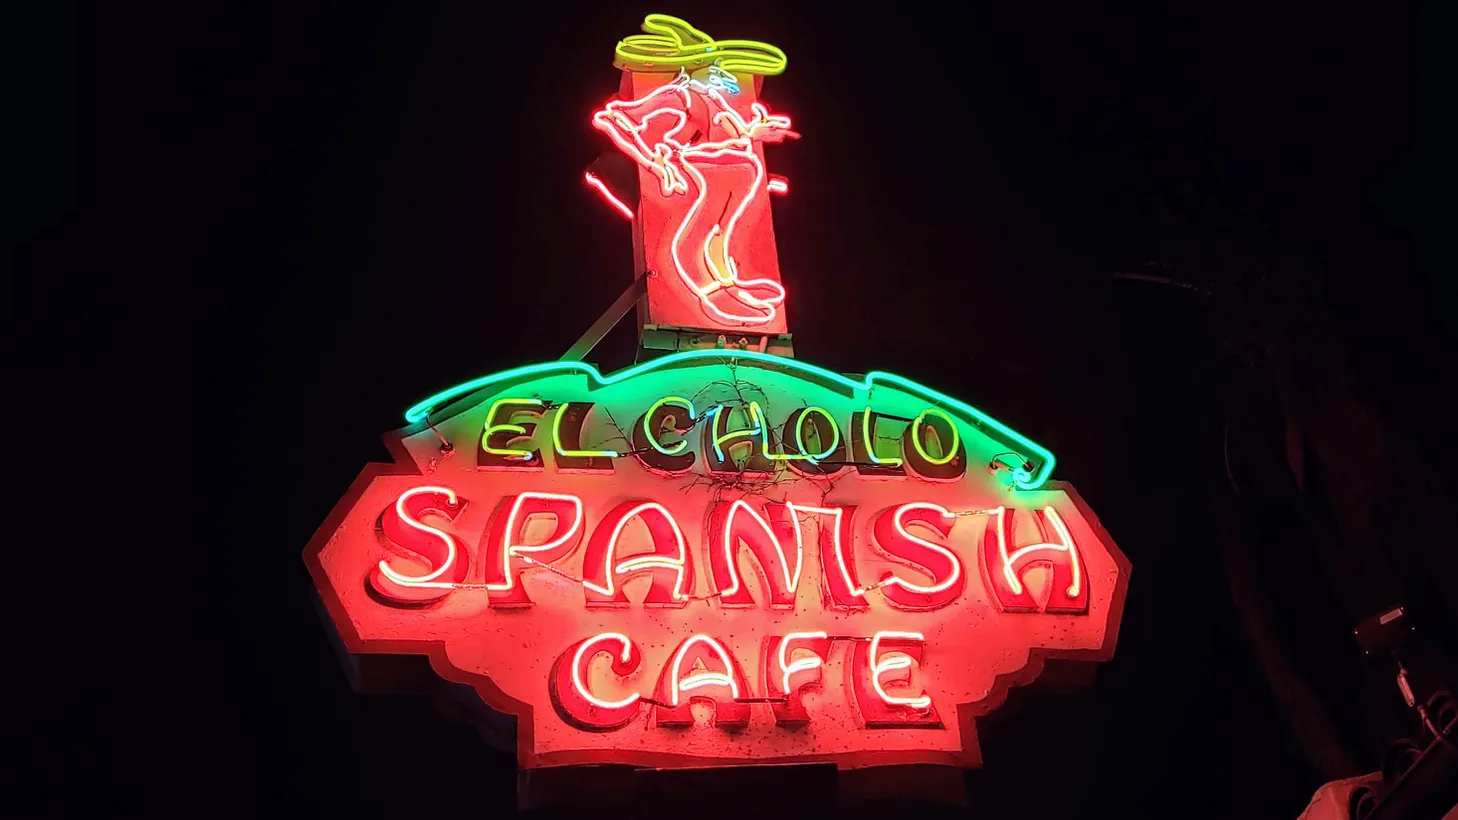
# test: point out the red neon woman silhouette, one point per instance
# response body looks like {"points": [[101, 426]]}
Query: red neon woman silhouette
{"points": [[700, 148]]}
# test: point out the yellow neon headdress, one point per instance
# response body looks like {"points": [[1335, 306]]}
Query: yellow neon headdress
{"points": [[671, 43]]}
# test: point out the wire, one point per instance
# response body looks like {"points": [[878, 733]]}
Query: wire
{"points": [[445, 446], [1160, 280], [1441, 736], [993, 463], [1225, 450]]}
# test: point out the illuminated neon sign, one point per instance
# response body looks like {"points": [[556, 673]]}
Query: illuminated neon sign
{"points": [[721, 557], [717, 556], [696, 130]]}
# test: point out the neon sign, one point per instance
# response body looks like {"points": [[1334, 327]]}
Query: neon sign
{"points": [[717, 556], [696, 131], [721, 557]]}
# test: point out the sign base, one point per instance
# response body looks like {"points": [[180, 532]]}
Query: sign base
{"points": [[657, 340]]}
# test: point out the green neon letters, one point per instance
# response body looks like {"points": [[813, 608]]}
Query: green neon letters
{"points": [[652, 435], [799, 422], [764, 442], [951, 465], [567, 442], [496, 436], [1041, 459], [949, 448], [721, 439], [868, 438]]}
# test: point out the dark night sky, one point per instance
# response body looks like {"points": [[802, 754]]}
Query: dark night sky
{"points": [[374, 201]]}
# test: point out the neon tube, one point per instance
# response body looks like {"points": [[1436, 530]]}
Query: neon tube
{"points": [[701, 679], [905, 533], [801, 665], [800, 433], [418, 413], [950, 449], [681, 445], [891, 664], [509, 549], [557, 440], [428, 580], [671, 158], [730, 436], [1067, 546], [670, 42], [764, 443], [838, 547], [870, 440], [493, 428], [581, 686], [607, 195], [642, 562], [792, 581]]}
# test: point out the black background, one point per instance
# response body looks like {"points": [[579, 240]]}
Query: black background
{"points": [[357, 204]]}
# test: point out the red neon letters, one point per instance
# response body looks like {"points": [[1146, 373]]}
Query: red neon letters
{"points": [[774, 538], [840, 584], [502, 541], [604, 569], [885, 690], [791, 664], [910, 557], [574, 698], [400, 524], [737, 525], [1004, 565], [702, 670], [880, 706]]}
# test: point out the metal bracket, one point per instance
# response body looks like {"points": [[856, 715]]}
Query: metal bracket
{"points": [[608, 320], [658, 340]]}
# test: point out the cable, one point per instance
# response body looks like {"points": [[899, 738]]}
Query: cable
{"points": [[1225, 450]]}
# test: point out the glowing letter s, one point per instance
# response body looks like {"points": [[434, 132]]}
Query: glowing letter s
{"points": [[893, 537], [401, 526]]}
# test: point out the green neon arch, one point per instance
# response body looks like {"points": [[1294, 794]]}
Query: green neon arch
{"points": [[1041, 457]]}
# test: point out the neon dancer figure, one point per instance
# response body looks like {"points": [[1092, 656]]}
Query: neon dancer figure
{"points": [[700, 148]]}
